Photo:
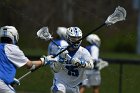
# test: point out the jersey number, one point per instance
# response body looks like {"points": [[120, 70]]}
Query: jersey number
{"points": [[72, 71]]}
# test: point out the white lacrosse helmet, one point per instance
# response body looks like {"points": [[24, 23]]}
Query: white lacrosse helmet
{"points": [[73, 34], [11, 32], [94, 39], [61, 31]]}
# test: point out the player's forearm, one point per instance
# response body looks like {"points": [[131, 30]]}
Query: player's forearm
{"points": [[34, 64]]}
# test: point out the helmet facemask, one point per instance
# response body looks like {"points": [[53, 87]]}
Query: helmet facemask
{"points": [[73, 41], [73, 35], [10, 32]]}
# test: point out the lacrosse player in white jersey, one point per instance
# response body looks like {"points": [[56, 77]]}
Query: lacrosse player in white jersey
{"points": [[11, 58], [93, 76], [69, 72]]}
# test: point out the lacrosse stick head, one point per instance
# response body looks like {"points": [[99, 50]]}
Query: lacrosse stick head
{"points": [[43, 33], [118, 15]]}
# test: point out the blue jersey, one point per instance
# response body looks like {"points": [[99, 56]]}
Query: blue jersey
{"points": [[53, 49], [7, 68], [11, 57]]}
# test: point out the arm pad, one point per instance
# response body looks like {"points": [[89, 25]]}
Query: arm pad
{"points": [[56, 66]]}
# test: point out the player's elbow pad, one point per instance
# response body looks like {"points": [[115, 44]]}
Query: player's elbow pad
{"points": [[56, 66]]}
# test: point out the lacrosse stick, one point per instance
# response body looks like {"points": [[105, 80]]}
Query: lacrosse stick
{"points": [[118, 15]]}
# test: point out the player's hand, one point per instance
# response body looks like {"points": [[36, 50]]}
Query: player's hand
{"points": [[47, 60], [64, 54], [15, 83], [101, 64], [65, 57], [77, 62]]}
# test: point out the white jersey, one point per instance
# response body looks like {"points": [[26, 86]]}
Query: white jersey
{"points": [[71, 75], [15, 55]]}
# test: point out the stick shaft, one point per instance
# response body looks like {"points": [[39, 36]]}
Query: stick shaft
{"points": [[81, 38], [24, 75], [55, 43], [65, 48], [68, 56]]}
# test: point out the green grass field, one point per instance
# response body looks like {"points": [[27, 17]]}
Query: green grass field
{"points": [[40, 81]]}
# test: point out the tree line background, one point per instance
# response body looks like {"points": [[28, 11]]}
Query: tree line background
{"points": [[28, 16]]}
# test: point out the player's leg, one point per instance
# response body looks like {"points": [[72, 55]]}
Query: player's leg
{"points": [[95, 81], [72, 89], [58, 88], [84, 85], [82, 88], [96, 89]]}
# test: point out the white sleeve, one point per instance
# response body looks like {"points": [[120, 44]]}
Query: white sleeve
{"points": [[88, 59], [15, 55], [95, 52], [63, 44]]}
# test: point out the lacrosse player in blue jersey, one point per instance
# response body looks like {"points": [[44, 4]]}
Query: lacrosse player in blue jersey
{"points": [[11, 58], [69, 71], [93, 76], [59, 43]]}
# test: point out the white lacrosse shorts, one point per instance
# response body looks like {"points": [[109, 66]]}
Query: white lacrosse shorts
{"points": [[93, 79], [59, 87], [4, 88]]}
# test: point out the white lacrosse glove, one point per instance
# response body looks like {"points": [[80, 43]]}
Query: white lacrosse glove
{"points": [[15, 83], [101, 64], [47, 60], [64, 54], [77, 62]]}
